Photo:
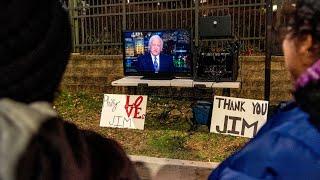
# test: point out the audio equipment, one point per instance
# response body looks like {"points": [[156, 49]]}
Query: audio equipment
{"points": [[217, 66]]}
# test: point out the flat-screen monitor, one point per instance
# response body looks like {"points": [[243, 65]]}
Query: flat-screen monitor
{"points": [[157, 53]]}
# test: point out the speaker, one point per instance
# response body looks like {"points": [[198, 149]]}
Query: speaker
{"points": [[217, 66]]}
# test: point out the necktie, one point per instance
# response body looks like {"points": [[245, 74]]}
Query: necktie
{"points": [[155, 64]]}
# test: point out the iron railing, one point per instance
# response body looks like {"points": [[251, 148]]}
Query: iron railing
{"points": [[97, 24]]}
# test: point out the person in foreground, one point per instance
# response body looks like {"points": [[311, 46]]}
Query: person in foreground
{"points": [[288, 145], [35, 143], [155, 61]]}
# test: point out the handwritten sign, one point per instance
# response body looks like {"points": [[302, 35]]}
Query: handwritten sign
{"points": [[238, 117], [123, 111]]}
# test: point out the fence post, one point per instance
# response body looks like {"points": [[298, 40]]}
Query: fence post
{"points": [[74, 23], [124, 18], [268, 51], [196, 23]]}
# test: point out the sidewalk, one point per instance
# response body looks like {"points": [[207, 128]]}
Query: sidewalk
{"points": [[171, 169]]}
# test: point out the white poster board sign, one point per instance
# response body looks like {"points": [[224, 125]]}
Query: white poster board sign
{"points": [[237, 116], [123, 111]]}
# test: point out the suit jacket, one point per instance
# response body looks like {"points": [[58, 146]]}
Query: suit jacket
{"points": [[145, 63]]}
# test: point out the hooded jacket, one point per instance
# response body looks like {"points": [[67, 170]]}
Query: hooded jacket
{"points": [[37, 144]]}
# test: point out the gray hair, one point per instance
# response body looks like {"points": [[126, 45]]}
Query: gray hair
{"points": [[153, 38]]}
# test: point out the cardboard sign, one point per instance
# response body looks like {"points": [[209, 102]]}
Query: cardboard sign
{"points": [[238, 117], [123, 111]]}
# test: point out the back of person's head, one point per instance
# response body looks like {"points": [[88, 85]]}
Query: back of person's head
{"points": [[305, 20], [35, 42], [305, 24]]}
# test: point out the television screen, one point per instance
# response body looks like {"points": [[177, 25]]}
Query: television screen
{"points": [[157, 52]]}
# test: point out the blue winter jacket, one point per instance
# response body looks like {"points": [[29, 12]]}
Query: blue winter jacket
{"points": [[286, 147]]}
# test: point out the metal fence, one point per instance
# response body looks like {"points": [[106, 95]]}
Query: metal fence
{"points": [[98, 24]]}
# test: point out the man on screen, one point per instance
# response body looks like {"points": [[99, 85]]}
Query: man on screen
{"points": [[154, 60]]}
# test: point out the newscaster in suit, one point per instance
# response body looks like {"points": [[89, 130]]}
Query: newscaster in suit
{"points": [[154, 60]]}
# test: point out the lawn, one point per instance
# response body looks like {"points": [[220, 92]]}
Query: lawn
{"points": [[168, 133]]}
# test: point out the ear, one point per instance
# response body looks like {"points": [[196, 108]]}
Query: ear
{"points": [[305, 44]]}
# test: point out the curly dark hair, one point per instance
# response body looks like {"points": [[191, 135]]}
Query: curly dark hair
{"points": [[305, 20]]}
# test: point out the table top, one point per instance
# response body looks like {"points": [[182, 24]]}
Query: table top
{"points": [[178, 82]]}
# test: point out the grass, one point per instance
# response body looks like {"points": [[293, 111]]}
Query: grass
{"points": [[168, 129]]}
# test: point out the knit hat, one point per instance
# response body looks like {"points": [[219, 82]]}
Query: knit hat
{"points": [[35, 43]]}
